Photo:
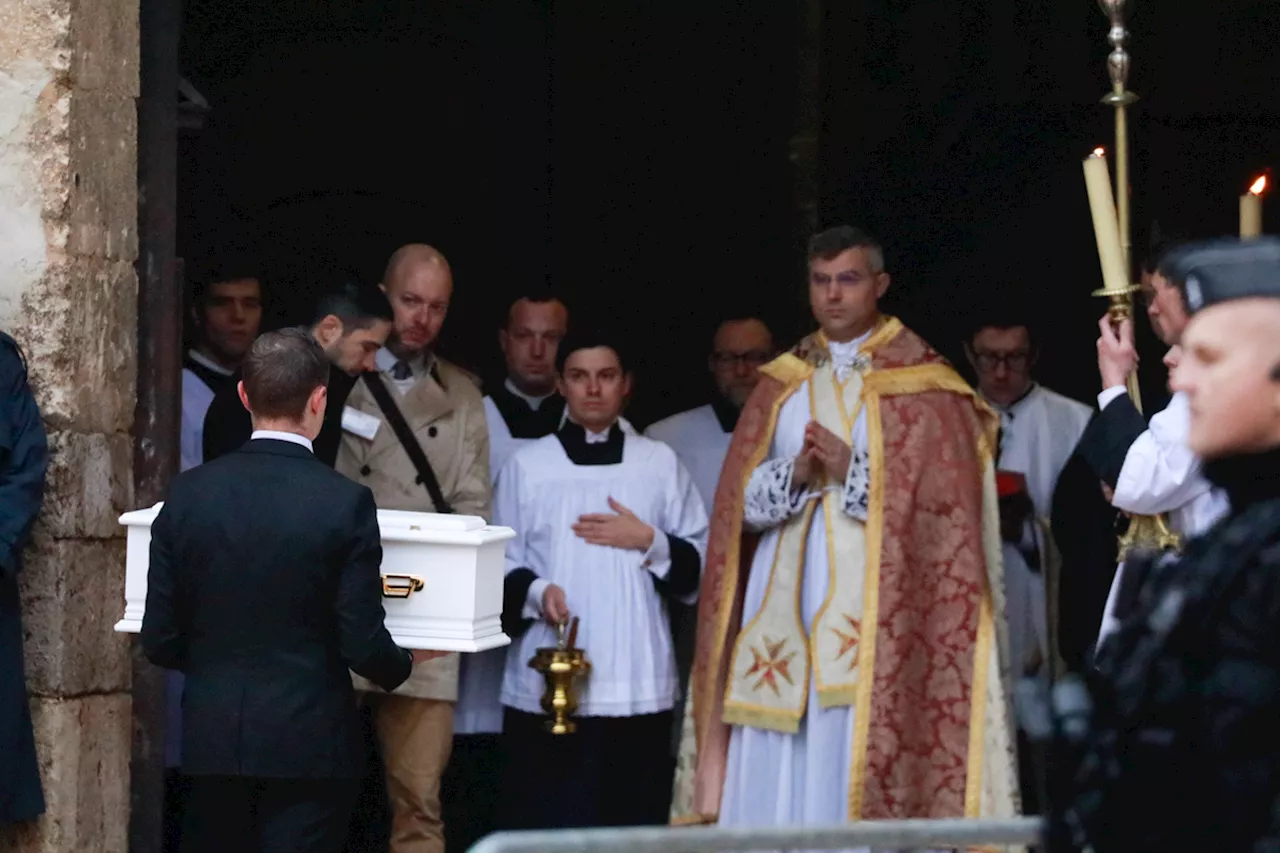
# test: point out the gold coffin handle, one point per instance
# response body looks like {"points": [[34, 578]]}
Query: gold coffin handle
{"points": [[404, 586]]}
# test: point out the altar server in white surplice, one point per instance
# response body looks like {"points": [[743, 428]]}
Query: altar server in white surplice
{"points": [[1039, 430], [700, 437], [609, 527], [1148, 468]]}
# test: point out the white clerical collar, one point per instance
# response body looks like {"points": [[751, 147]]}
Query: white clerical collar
{"points": [[277, 435], [591, 437], [845, 355], [534, 402], [623, 423], [204, 361]]}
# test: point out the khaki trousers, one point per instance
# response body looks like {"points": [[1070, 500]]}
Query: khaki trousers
{"points": [[416, 736]]}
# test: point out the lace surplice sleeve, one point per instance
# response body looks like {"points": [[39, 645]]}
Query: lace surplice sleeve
{"points": [[856, 497], [769, 499]]}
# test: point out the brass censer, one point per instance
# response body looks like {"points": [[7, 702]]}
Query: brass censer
{"points": [[561, 666]]}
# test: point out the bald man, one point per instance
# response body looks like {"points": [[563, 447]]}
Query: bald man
{"points": [[442, 467]]}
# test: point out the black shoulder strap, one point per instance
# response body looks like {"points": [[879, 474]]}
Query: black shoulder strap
{"points": [[408, 440]]}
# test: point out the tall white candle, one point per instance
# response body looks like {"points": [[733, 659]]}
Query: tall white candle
{"points": [[1106, 229], [1251, 209]]}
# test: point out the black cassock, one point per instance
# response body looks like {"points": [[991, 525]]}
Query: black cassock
{"points": [[1085, 529], [24, 456]]}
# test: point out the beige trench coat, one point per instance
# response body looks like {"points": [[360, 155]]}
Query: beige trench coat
{"points": [[448, 420]]}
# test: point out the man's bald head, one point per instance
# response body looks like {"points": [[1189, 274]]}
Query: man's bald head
{"points": [[1230, 372], [419, 284], [410, 260]]}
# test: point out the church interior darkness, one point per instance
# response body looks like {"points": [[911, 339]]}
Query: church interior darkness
{"points": [[633, 157]]}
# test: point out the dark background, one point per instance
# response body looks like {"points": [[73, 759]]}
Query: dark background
{"points": [[634, 155]]}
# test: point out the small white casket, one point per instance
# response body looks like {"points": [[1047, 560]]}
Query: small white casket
{"points": [[441, 578]]}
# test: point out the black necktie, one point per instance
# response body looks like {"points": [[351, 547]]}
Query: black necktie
{"points": [[401, 371]]}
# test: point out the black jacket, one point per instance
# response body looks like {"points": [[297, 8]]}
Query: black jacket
{"points": [[1106, 441], [227, 425], [1185, 749], [264, 589], [24, 456]]}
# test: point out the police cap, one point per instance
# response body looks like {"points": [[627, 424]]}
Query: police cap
{"points": [[1220, 270]]}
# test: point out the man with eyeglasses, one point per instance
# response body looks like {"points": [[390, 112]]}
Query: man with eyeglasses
{"points": [[700, 437], [1039, 430], [1147, 469]]}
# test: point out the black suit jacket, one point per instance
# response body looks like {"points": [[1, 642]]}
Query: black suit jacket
{"points": [[227, 425], [264, 589]]}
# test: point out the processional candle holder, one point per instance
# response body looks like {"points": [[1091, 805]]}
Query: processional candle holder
{"points": [[561, 666], [1144, 532]]}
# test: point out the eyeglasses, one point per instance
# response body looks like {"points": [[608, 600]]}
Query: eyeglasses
{"points": [[753, 359], [989, 361]]}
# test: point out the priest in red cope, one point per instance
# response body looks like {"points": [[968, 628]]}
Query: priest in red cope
{"points": [[849, 662]]}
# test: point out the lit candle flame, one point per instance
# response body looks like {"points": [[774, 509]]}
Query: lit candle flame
{"points": [[1258, 186], [1099, 151]]}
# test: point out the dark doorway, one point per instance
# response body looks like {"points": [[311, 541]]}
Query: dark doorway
{"points": [[635, 155]]}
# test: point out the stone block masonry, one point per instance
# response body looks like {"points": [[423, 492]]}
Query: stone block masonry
{"points": [[68, 294]]}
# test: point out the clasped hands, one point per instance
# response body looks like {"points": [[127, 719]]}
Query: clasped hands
{"points": [[823, 451], [621, 528]]}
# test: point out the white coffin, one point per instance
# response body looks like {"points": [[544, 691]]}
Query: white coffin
{"points": [[441, 578]]}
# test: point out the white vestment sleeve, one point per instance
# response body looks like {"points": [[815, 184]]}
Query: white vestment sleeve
{"points": [[1115, 392], [684, 517], [658, 558], [506, 512], [1160, 473]]}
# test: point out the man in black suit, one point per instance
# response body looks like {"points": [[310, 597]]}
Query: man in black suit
{"points": [[263, 590], [351, 325]]}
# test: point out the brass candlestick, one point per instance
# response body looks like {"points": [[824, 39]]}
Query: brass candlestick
{"points": [[561, 665], [1143, 532]]}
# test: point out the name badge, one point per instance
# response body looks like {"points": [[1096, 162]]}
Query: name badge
{"points": [[360, 423]]}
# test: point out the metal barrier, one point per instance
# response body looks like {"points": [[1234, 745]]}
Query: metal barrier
{"points": [[895, 835]]}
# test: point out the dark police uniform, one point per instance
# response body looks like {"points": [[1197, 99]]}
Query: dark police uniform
{"points": [[1183, 752], [24, 458]]}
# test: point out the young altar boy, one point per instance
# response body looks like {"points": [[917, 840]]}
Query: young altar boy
{"points": [[609, 527]]}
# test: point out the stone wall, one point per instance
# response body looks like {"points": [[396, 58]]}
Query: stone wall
{"points": [[68, 291]]}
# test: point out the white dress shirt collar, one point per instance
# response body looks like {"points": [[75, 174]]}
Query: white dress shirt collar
{"points": [[386, 360], [276, 435]]}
